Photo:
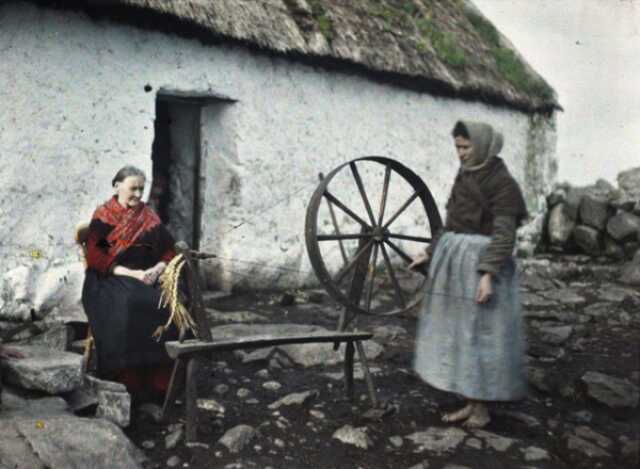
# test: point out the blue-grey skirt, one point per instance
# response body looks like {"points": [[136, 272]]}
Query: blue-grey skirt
{"points": [[475, 350]]}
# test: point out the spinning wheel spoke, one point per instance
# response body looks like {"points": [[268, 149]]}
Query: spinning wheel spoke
{"points": [[385, 192], [417, 239], [372, 273], [392, 276], [363, 194], [345, 209], [352, 263], [400, 252], [334, 220], [402, 209], [340, 237]]}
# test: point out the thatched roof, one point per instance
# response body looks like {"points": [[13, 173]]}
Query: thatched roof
{"points": [[445, 47]]}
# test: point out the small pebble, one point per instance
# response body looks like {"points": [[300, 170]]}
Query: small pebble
{"points": [[173, 461], [243, 393], [221, 389], [148, 444], [271, 385], [581, 416], [264, 373]]}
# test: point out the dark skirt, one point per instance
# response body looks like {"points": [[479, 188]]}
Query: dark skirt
{"points": [[123, 314]]}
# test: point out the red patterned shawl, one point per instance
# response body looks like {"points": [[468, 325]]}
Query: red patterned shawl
{"points": [[129, 222]]}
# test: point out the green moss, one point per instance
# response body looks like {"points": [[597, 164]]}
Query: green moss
{"points": [[513, 70], [392, 15], [509, 65], [443, 43], [485, 29], [409, 8], [325, 24]]}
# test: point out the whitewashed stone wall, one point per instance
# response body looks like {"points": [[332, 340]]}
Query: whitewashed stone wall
{"points": [[76, 111]]}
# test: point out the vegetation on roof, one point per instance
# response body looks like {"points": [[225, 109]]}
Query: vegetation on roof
{"points": [[441, 46], [508, 62]]}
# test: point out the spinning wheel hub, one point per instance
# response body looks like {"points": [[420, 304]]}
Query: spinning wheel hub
{"points": [[379, 234]]}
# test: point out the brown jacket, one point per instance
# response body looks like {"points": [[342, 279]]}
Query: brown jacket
{"points": [[488, 202]]}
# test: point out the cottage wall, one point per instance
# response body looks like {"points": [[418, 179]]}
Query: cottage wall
{"points": [[76, 110]]}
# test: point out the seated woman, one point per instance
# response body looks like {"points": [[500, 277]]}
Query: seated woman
{"points": [[128, 248]]}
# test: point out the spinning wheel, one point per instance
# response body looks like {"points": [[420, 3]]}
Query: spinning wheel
{"points": [[359, 250]]}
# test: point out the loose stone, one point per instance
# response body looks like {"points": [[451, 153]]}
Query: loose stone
{"points": [[353, 436], [271, 385], [533, 453], [172, 439], [437, 440], [590, 450], [611, 391], [237, 438]]}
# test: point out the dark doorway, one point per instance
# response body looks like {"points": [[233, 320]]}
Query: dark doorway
{"points": [[176, 167]]}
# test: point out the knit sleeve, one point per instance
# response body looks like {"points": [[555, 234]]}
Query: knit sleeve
{"points": [[97, 247], [501, 245], [507, 200]]}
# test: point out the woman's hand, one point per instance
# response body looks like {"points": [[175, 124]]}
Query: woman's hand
{"points": [[485, 288], [152, 274], [137, 274], [419, 261], [148, 276]]}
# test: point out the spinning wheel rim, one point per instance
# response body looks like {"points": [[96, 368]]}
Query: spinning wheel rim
{"points": [[379, 232]]}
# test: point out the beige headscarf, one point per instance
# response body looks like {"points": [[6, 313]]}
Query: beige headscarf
{"points": [[487, 143]]}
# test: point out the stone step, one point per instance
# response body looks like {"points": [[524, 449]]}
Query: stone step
{"points": [[44, 369]]}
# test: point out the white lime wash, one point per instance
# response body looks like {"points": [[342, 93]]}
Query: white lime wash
{"points": [[75, 110]]}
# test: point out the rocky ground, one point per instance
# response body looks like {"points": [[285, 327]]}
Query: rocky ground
{"points": [[286, 407]]}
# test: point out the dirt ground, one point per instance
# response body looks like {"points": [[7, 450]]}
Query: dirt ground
{"points": [[557, 407]]}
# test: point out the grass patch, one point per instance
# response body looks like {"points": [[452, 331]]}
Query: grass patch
{"points": [[513, 70], [325, 24], [485, 29], [443, 43], [509, 65]]}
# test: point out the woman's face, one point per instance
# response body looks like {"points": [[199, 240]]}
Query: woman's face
{"points": [[129, 191], [464, 149]]}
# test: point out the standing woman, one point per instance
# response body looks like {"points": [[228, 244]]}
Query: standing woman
{"points": [[470, 339], [128, 248]]}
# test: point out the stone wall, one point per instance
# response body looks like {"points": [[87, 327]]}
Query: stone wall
{"points": [[83, 97], [600, 220]]}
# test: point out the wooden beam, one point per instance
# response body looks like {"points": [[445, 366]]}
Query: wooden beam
{"points": [[190, 347]]}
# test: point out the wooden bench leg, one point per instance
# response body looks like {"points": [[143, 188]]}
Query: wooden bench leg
{"points": [[367, 374], [175, 385], [348, 370], [193, 364]]}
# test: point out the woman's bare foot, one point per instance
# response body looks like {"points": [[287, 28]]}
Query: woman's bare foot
{"points": [[459, 415], [479, 417]]}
